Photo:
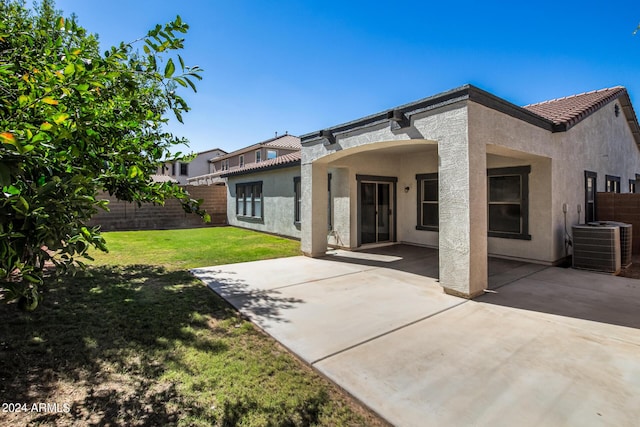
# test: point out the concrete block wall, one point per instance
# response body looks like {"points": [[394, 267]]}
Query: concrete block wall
{"points": [[128, 216], [622, 208]]}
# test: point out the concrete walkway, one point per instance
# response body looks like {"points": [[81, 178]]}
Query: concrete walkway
{"points": [[547, 346]]}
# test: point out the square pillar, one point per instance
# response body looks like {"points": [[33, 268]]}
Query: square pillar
{"points": [[463, 215], [314, 221]]}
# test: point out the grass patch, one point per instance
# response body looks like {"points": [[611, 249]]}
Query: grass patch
{"points": [[149, 345], [190, 248]]}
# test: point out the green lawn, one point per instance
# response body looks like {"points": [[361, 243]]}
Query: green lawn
{"points": [[197, 247], [137, 340]]}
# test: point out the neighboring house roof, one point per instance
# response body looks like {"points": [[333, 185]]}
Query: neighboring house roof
{"points": [[213, 149], [557, 115], [284, 161], [288, 142]]}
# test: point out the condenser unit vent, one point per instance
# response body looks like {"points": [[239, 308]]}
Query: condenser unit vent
{"points": [[626, 242], [597, 248]]}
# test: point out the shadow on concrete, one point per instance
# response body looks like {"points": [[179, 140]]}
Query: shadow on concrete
{"points": [[572, 293], [534, 287], [424, 262], [237, 292], [411, 259]]}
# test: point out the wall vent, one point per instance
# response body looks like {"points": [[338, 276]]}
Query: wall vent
{"points": [[597, 248]]}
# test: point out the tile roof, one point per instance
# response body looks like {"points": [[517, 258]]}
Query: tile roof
{"points": [[285, 160], [288, 142], [572, 109]]}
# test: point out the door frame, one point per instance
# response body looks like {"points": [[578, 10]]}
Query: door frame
{"points": [[384, 180]]}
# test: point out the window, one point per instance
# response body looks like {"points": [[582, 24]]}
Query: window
{"points": [[249, 199], [173, 169], [508, 200], [632, 186], [258, 156], [184, 169], [612, 184], [427, 185], [590, 188], [272, 154], [297, 191], [241, 160]]}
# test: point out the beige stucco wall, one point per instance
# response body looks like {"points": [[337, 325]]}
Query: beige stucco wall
{"points": [[601, 143], [400, 154], [278, 202]]}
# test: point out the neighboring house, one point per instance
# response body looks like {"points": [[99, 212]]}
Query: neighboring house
{"points": [[182, 171], [260, 196], [246, 157], [462, 171]]}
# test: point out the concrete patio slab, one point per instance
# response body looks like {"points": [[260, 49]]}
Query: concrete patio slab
{"points": [[233, 279], [342, 306], [549, 346], [485, 365]]}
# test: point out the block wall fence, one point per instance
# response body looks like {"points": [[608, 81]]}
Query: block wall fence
{"points": [[128, 216]]}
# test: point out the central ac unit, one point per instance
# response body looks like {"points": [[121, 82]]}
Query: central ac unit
{"points": [[626, 243], [597, 248]]}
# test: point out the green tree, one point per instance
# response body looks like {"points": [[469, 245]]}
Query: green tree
{"points": [[75, 122]]}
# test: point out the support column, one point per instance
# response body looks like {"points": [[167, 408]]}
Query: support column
{"points": [[463, 215], [314, 221]]}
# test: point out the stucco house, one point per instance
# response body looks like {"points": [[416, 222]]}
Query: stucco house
{"points": [[180, 172], [260, 152], [463, 171]]}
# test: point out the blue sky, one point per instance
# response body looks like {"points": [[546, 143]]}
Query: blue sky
{"points": [[300, 66]]}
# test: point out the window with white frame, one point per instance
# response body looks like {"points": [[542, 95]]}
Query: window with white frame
{"points": [[258, 156], [272, 154], [427, 215], [249, 200], [241, 160]]}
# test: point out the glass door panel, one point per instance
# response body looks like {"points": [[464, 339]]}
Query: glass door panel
{"points": [[368, 212], [384, 209]]}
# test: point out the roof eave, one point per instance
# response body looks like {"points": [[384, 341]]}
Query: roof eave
{"points": [[630, 114], [441, 100]]}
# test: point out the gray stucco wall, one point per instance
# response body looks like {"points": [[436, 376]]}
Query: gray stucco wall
{"points": [[278, 202]]}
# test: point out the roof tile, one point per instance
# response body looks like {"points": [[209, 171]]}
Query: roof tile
{"points": [[571, 109], [280, 161]]}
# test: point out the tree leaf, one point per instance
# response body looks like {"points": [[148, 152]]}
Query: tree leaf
{"points": [[169, 69], [61, 117], [7, 138], [49, 100]]}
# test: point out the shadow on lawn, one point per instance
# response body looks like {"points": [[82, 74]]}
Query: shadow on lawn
{"points": [[100, 342]]}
